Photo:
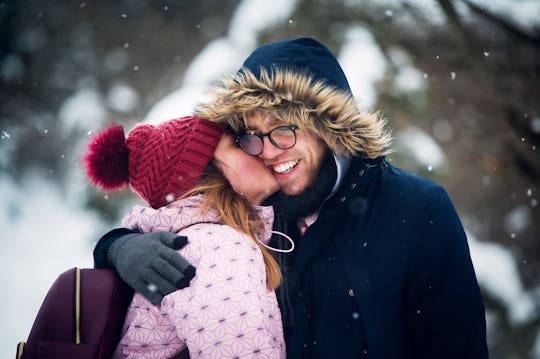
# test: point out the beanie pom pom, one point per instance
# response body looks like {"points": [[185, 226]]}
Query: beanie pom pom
{"points": [[106, 159]]}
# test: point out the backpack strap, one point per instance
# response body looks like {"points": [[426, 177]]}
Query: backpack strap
{"points": [[20, 350], [77, 305]]}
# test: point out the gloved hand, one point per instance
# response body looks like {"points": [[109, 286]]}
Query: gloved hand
{"points": [[150, 264]]}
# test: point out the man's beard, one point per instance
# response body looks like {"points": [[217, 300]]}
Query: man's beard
{"points": [[312, 198]]}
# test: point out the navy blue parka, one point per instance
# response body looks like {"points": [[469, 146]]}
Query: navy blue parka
{"points": [[385, 273]]}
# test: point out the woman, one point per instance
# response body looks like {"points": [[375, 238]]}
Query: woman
{"points": [[198, 184]]}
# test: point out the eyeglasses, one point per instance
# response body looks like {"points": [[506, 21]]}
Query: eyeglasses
{"points": [[252, 143]]}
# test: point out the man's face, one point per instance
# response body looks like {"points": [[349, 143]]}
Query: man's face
{"points": [[295, 168]]}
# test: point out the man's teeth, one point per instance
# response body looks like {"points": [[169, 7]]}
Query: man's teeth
{"points": [[285, 167]]}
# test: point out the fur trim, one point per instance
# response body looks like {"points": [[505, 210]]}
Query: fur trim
{"points": [[295, 98]]}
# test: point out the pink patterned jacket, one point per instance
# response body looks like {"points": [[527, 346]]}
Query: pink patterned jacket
{"points": [[226, 312]]}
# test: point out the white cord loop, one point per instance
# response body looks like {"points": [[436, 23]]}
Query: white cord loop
{"points": [[279, 249]]}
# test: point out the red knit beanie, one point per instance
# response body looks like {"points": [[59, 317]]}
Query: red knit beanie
{"points": [[160, 162]]}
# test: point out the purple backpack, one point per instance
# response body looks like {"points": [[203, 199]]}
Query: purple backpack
{"points": [[81, 317]]}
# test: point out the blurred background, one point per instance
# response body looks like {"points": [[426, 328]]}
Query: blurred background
{"points": [[458, 81]]}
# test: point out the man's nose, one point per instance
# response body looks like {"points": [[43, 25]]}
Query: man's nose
{"points": [[269, 150]]}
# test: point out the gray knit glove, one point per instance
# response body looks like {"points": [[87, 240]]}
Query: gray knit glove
{"points": [[150, 264]]}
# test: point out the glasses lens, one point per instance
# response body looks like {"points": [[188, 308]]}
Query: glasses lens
{"points": [[251, 144], [283, 137]]}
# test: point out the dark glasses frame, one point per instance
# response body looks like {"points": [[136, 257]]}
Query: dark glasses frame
{"points": [[245, 134]]}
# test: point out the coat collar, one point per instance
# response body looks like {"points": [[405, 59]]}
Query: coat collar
{"points": [[356, 183]]}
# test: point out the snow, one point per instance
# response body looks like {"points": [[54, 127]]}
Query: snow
{"points": [[177, 104], [496, 271], [363, 63], [428, 8], [517, 220], [443, 130], [82, 110], [122, 98], [535, 352], [535, 124], [116, 60], [523, 13], [12, 68], [43, 234], [408, 78], [245, 27], [7, 147], [422, 147], [231, 51], [45, 231]]}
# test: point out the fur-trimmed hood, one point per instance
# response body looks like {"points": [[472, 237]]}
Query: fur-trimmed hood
{"points": [[298, 82]]}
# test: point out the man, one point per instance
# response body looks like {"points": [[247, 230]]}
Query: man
{"points": [[381, 267]]}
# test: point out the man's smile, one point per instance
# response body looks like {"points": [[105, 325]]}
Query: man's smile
{"points": [[285, 167]]}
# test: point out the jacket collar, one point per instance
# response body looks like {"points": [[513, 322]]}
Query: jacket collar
{"points": [[356, 182], [359, 174]]}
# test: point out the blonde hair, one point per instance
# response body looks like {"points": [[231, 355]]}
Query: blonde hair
{"points": [[235, 211]]}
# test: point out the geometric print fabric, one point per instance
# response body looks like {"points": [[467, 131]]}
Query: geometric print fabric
{"points": [[226, 312]]}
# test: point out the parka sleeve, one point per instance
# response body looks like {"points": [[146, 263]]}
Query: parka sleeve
{"points": [[102, 246], [445, 309]]}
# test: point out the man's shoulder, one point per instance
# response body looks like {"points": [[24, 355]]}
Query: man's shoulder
{"points": [[381, 183], [412, 190], [399, 176], [398, 184], [394, 176]]}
